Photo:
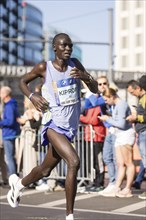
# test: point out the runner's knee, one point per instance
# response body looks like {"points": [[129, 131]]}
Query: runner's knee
{"points": [[45, 172], [74, 163]]}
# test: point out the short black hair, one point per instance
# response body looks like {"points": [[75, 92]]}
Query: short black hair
{"points": [[142, 82], [57, 36]]}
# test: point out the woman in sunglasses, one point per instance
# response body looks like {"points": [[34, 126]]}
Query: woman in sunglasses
{"points": [[125, 139]]}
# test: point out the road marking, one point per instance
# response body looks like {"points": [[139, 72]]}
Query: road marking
{"points": [[131, 208], [63, 201], [52, 205], [24, 193], [83, 210]]}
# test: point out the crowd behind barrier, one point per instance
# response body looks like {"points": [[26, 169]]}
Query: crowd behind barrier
{"points": [[28, 156]]}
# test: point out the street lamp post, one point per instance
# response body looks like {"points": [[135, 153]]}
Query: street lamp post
{"points": [[110, 70]]}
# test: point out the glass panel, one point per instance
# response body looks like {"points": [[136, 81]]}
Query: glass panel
{"points": [[138, 21], [12, 4], [37, 56], [12, 18], [20, 51], [3, 27], [20, 62], [12, 59], [124, 61], [33, 13], [28, 54], [124, 5], [35, 45], [33, 28], [124, 23], [124, 42], [3, 11], [4, 54], [138, 59], [12, 31], [12, 46], [138, 40]]}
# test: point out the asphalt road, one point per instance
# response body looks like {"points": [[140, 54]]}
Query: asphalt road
{"points": [[51, 206]]}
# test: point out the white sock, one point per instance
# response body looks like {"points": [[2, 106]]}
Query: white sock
{"points": [[70, 217], [19, 185]]}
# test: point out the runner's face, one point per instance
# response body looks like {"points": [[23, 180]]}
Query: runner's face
{"points": [[63, 48]]}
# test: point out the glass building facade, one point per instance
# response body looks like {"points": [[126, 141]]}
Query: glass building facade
{"points": [[21, 21]]}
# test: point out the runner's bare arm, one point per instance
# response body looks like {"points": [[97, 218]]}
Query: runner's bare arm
{"points": [[79, 72], [37, 72]]}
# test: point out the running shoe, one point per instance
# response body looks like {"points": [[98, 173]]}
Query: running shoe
{"points": [[110, 187], [142, 196], [59, 188], [112, 192], [43, 187], [136, 185], [14, 193], [125, 193], [96, 189]]}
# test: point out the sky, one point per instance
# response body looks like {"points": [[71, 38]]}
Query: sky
{"points": [[83, 20]]}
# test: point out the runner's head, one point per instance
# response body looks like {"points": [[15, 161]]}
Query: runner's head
{"points": [[62, 46]]}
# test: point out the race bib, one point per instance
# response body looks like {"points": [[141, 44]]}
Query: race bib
{"points": [[67, 92]]}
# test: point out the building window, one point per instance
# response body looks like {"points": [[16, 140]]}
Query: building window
{"points": [[138, 21], [124, 5], [12, 31], [20, 62], [138, 60], [12, 18], [28, 53], [124, 61], [124, 23], [138, 40], [138, 4], [12, 4], [124, 42], [3, 27], [3, 11], [20, 51], [4, 54], [12, 46], [12, 59]]}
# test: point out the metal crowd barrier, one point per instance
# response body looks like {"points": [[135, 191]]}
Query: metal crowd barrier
{"points": [[28, 157], [84, 149]]}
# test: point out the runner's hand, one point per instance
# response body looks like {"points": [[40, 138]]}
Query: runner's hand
{"points": [[76, 73], [39, 102]]}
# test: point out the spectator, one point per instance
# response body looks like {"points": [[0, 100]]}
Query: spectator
{"points": [[91, 118], [3, 165], [142, 82], [125, 138], [30, 121], [139, 177], [91, 101], [139, 117], [10, 127]]}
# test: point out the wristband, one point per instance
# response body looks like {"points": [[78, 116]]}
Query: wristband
{"points": [[30, 96]]}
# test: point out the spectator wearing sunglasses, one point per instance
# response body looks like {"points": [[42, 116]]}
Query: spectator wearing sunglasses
{"points": [[93, 100]]}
